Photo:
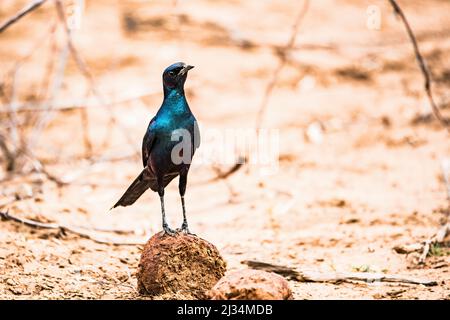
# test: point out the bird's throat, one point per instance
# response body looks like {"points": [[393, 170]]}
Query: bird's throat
{"points": [[174, 102]]}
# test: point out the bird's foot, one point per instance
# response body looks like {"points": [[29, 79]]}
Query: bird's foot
{"points": [[168, 231], [185, 229]]}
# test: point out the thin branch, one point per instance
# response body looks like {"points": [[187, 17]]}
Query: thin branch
{"points": [[27, 9], [55, 88], [445, 229], [424, 247], [53, 48], [225, 174], [64, 229], [334, 277], [78, 104], [7, 154], [287, 272], [440, 235], [408, 248], [283, 54], [12, 117], [84, 117], [40, 168], [86, 72], [446, 175], [422, 65], [11, 104], [86, 138], [437, 238]]}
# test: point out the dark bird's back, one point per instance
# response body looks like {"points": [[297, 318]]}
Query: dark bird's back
{"points": [[169, 143]]}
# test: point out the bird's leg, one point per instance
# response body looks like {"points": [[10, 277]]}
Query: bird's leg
{"points": [[164, 221], [184, 226], [182, 189]]}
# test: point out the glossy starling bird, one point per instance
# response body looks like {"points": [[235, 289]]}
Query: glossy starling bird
{"points": [[160, 155]]}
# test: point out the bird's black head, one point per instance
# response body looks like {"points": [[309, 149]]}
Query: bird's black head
{"points": [[175, 75]]}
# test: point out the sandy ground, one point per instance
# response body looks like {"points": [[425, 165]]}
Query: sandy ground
{"points": [[357, 175]]}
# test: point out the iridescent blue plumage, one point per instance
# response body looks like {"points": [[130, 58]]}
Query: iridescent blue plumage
{"points": [[160, 167]]}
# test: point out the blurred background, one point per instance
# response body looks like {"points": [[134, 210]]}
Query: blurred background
{"points": [[361, 161]]}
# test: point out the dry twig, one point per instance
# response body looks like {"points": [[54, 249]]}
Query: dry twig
{"points": [[67, 229], [446, 175], [49, 105], [334, 277], [40, 168], [422, 65], [27, 9], [225, 174], [437, 238], [87, 74], [8, 154], [283, 54], [445, 229], [78, 104], [14, 136], [440, 235]]}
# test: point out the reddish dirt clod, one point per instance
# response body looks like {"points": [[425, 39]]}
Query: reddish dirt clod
{"points": [[180, 266]]}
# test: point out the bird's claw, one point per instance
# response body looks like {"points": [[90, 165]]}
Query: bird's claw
{"points": [[169, 231], [184, 228]]}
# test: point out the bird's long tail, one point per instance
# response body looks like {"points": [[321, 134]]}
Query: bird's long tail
{"points": [[136, 189]]}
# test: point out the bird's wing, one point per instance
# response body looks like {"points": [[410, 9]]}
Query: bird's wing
{"points": [[147, 142]]}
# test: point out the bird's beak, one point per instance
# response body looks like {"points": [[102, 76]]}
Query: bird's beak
{"points": [[185, 69]]}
